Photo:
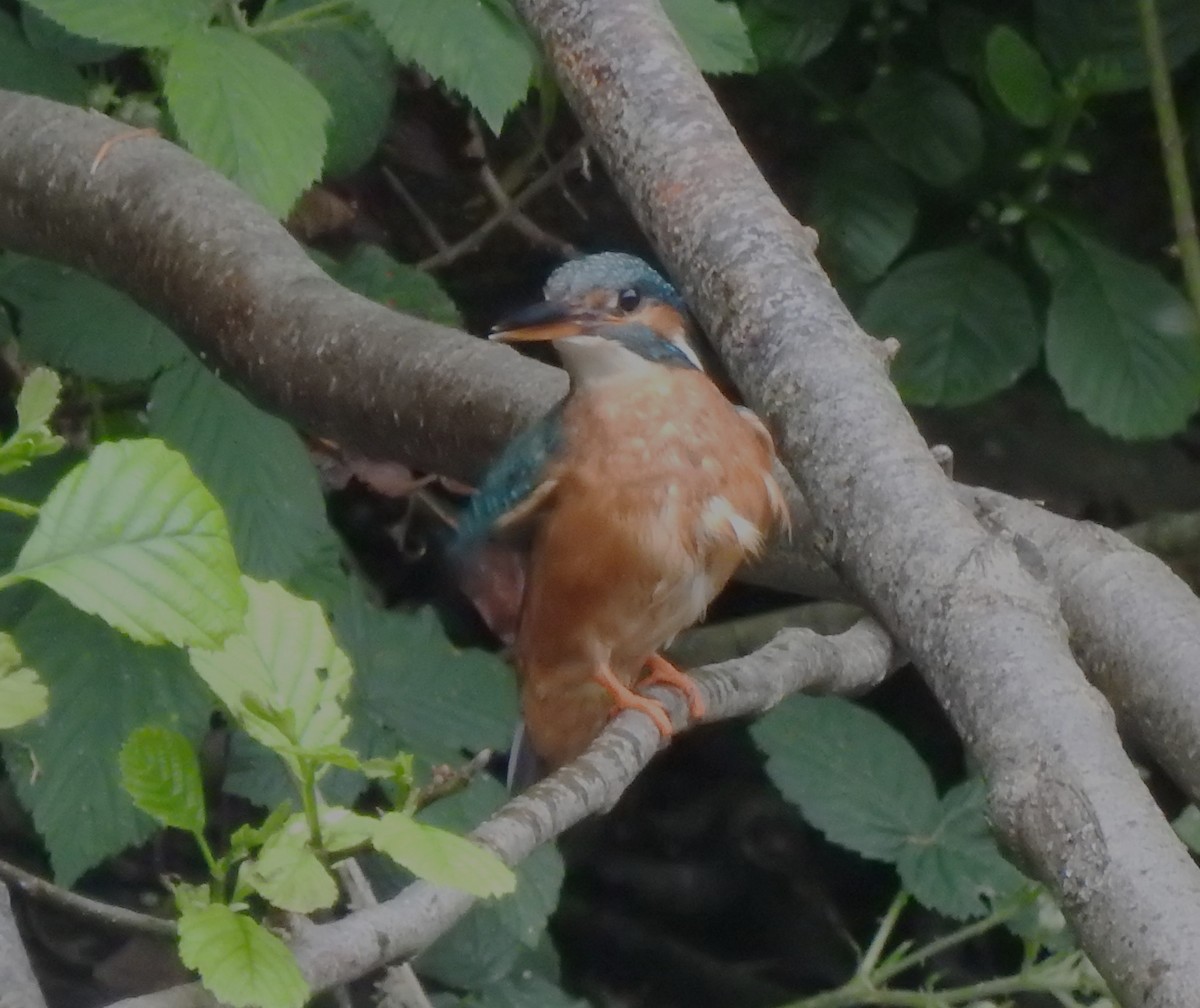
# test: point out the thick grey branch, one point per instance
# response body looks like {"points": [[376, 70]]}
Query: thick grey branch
{"points": [[985, 631], [18, 986]]}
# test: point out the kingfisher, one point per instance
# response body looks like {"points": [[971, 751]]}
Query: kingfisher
{"points": [[615, 520]]}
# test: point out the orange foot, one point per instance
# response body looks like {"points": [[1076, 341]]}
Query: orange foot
{"points": [[625, 699], [663, 673]]}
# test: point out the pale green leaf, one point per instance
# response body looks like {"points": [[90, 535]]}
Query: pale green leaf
{"points": [[160, 771], [784, 32], [23, 696], [1106, 35], [965, 324], [1187, 827], [714, 33], [863, 208], [925, 123], [288, 875], [254, 464], [102, 687], [1019, 77], [33, 438], [24, 69], [343, 830], [128, 22], [240, 961], [956, 867], [74, 322], [352, 67], [133, 537], [1121, 342], [371, 272], [853, 776], [286, 659], [246, 112], [475, 47], [441, 856]]}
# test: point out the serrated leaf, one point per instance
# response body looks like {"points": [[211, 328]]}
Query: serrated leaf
{"points": [[33, 438], [1120, 341], [784, 32], [133, 537], [246, 112], [254, 464], [74, 322], [23, 696], [51, 38], [965, 324], [128, 22], [487, 944], [24, 69], [714, 33], [239, 961], [161, 773], [1107, 36], [925, 123], [374, 274], [863, 208], [353, 69], [474, 47], [442, 857], [853, 776], [102, 687], [284, 657], [1019, 77], [956, 868], [288, 875]]}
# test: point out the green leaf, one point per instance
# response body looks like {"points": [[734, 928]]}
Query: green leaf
{"points": [[33, 438], [133, 537], [1120, 341], [71, 321], [489, 942], [254, 464], [965, 324], [239, 961], [963, 32], [853, 776], [1019, 77], [23, 696], [374, 274], [784, 32], [288, 875], [284, 657], [51, 38], [246, 112], [24, 69], [956, 868], [102, 687], [474, 47], [925, 123], [1107, 36], [863, 208], [525, 989], [160, 771], [442, 857], [714, 33], [128, 22], [352, 67]]}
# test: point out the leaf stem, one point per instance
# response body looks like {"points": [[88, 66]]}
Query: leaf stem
{"points": [[887, 924], [18, 507], [308, 796], [1171, 140], [301, 18]]}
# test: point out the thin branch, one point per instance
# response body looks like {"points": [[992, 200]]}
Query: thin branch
{"points": [[424, 221], [89, 909]]}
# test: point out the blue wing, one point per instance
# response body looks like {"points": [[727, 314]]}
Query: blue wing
{"points": [[518, 474]]}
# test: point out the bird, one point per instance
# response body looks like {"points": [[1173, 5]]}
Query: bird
{"points": [[618, 517]]}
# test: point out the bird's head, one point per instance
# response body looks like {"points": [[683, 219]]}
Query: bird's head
{"points": [[612, 296]]}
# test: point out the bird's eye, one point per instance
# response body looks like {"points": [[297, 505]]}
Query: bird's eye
{"points": [[628, 300]]}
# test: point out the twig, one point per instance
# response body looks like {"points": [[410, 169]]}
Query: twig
{"points": [[1171, 139], [472, 241], [424, 221], [112, 916], [449, 780]]}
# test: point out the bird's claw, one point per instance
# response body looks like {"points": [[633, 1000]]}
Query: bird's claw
{"points": [[663, 673]]}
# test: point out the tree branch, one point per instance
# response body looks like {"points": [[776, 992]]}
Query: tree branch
{"points": [[18, 986]]}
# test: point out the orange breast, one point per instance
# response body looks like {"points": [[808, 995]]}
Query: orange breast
{"points": [[663, 490]]}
